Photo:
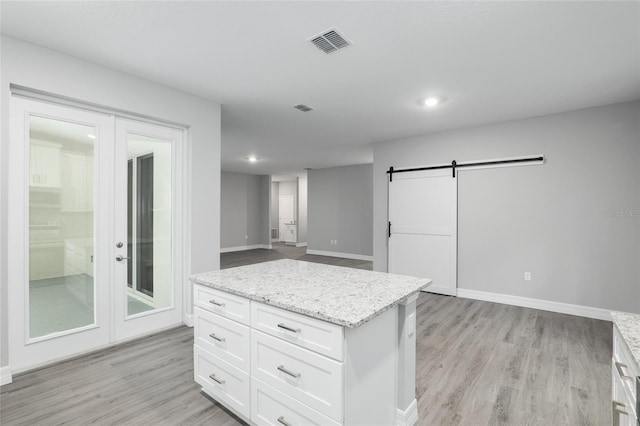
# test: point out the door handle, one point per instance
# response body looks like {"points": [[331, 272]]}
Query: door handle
{"points": [[121, 258]]}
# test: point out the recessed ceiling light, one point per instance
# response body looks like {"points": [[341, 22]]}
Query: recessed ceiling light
{"points": [[91, 136], [431, 101], [252, 159]]}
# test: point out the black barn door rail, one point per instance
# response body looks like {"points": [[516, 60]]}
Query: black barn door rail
{"points": [[454, 165]]}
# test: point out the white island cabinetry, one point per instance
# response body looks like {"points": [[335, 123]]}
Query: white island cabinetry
{"points": [[625, 369], [309, 359]]}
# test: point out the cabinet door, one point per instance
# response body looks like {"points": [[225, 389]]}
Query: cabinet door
{"points": [[622, 409], [51, 167], [44, 164], [77, 178]]}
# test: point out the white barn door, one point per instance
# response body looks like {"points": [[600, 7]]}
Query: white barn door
{"points": [[423, 216]]}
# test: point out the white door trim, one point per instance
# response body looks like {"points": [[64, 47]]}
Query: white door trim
{"points": [[17, 236], [127, 326], [21, 347]]}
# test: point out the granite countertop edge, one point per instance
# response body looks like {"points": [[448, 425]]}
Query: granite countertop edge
{"points": [[628, 325], [307, 312]]}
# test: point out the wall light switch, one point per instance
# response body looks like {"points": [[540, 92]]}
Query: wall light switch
{"points": [[527, 276]]}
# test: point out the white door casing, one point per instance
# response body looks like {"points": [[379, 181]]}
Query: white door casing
{"points": [[423, 230], [111, 323], [24, 351], [127, 326]]}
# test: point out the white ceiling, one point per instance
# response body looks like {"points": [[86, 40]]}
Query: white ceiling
{"points": [[492, 61]]}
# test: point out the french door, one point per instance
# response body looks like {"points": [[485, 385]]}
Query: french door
{"points": [[80, 221], [423, 228]]}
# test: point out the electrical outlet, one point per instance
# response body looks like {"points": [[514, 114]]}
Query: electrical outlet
{"points": [[527, 276], [246, 237]]}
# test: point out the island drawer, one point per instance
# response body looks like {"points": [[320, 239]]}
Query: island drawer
{"points": [[223, 381], [625, 366], [312, 379], [319, 336], [225, 304], [274, 408], [224, 338]]}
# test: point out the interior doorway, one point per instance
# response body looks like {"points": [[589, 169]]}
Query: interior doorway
{"points": [[96, 226]]}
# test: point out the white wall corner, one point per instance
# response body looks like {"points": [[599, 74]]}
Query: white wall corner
{"points": [[342, 255], [408, 417], [188, 320], [5, 375], [544, 305]]}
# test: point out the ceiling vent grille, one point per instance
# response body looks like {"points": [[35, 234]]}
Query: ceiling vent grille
{"points": [[303, 108], [330, 41]]}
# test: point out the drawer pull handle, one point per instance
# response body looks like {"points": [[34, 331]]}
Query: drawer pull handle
{"points": [[618, 409], [283, 421], [293, 330], [619, 367], [213, 302], [219, 339], [289, 372], [215, 379]]}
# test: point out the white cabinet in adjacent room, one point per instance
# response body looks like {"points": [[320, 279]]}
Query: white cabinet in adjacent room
{"points": [[77, 182], [44, 164]]}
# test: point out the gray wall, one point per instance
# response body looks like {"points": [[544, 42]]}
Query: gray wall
{"points": [[43, 69], [244, 209], [275, 206], [553, 220], [302, 210], [341, 208]]}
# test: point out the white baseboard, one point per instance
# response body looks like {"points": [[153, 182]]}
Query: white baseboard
{"points": [[301, 244], [188, 320], [408, 417], [545, 305], [5, 375], [242, 248], [337, 254]]}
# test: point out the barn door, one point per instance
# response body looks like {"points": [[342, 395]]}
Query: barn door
{"points": [[423, 218]]}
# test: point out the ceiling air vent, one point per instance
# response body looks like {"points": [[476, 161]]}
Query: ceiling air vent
{"points": [[303, 108], [330, 41]]}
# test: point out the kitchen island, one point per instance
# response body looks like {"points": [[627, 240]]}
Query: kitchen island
{"points": [[625, 368], [290, 342]]}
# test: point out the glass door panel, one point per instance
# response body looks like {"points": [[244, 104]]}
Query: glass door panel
{"points": [[60, 193], [149, 219], [148, 222], [61, 223]]}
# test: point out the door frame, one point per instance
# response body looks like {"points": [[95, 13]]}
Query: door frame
{"points": [[129, 326], [85, 338], [104, 253]]}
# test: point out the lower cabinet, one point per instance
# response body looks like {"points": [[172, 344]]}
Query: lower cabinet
{"points": [[255, 360], [624, 384], [223, 381], [272, 407]]}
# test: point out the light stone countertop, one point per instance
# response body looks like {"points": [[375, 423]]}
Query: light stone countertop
{"points": [[629, 326], [344, 296]]}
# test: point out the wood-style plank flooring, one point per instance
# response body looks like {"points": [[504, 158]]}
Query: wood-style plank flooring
{"points": [[478, 363]]}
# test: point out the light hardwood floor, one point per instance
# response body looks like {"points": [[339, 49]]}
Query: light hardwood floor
{"points": [[478, 363]]}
